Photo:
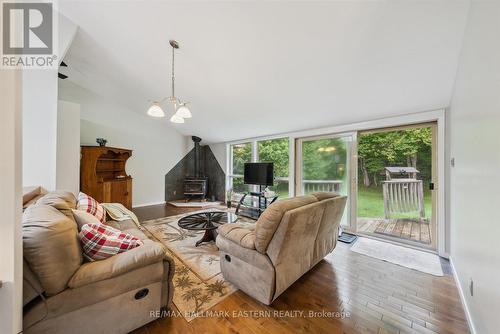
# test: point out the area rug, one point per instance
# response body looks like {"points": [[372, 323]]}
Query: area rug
{"points": [[403, 256], [198, 281]]}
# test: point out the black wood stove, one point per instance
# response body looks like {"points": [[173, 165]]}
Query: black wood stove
{"points": [[196, 186]]}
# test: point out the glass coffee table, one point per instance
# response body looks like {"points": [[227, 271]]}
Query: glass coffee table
{"points": [[207, 221]]}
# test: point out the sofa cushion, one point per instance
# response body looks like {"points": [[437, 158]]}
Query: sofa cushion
{"points": [[100, 241], [322, 195], [63, 201], [271, 217], [241, 233], [127, 226], [138, 257], [50, 246], [31, 285], [90, 205], [30, 194], [84, 218]]}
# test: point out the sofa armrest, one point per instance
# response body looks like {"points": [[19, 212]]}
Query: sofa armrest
{"points": [[251, 256], [247, 269], [118, 264], [242, 234]]}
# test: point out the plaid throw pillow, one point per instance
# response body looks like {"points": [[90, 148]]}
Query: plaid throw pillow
{"points": [[90, 205], [100, 241]]}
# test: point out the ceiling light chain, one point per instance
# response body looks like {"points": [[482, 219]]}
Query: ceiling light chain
{"points": [[181, 109]]}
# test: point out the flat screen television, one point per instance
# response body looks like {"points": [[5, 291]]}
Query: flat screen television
{"points": [[259, 173]]}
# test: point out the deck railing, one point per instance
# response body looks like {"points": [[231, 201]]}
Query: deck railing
{"points": [[310, 186], [403, 196]]}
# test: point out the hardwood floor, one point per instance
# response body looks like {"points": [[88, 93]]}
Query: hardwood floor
{"points": [[159, 211], [380, 297]]}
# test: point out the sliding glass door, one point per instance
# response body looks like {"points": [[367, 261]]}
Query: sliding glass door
{"points": [[324, 164], [397, 172]]}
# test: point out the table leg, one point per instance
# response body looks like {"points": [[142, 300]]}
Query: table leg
{"points": [[207, 237]]}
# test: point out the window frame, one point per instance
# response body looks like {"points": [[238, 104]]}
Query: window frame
{"points": [[231, 176], [255, 158]]}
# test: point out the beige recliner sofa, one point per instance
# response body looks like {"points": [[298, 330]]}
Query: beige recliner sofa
{"points": [[65, 294], [290, 237]]}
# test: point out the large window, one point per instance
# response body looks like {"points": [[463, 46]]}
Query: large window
{"points": [[324, 164], [276, 151], [240, 153], [272, 150]]}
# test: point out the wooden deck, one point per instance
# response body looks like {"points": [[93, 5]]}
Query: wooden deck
{"points": [[408, 229], [381, 297]]}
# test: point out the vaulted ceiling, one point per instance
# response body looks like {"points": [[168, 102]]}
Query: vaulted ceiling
{"points": [[255, 68]]}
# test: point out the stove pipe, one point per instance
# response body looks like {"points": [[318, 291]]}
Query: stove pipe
{"points": [[197, 152]]}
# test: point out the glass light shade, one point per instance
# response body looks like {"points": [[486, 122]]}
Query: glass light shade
{"points": [[176, 119], [156, 111], [183, 111]]}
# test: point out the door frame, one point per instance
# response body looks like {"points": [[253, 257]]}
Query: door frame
{"points": [[433, 246], [351, 172]]}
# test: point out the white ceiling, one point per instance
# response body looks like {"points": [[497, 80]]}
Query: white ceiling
{"points": [[259, 68]]}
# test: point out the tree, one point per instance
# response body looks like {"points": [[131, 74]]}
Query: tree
{"points": [[242, 153], [324, 159], [276, 151], [397, 148]]}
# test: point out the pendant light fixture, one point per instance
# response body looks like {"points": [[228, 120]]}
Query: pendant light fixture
{"points": [[181, 109], [176, 119], [155, 110]]}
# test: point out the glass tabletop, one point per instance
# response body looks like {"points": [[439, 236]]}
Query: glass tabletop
{"points": [[207, 220]]}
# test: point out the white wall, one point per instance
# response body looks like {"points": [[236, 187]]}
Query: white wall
{"points": [[474, 125], [219, 151], [40, 116], [68, 146], [156, 146], [39, 128], [10, 203]]}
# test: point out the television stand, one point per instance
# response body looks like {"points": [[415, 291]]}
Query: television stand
{"points": [[252, 210]]}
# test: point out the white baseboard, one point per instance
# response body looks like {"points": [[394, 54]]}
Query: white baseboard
{"points": [[462, 298], [149, 204]]}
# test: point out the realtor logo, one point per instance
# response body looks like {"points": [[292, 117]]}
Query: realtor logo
{"points": [[28, 35], [27, 28]]}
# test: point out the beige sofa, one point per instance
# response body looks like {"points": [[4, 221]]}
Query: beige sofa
{"points": [[291, 236], [65, 294]]}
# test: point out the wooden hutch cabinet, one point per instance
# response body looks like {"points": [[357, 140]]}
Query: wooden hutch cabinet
{"points": [[103, 176]]}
